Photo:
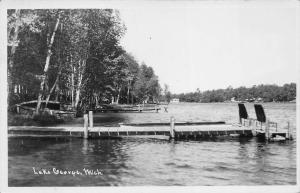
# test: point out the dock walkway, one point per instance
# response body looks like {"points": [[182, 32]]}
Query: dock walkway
{"points": [[180, 131]]}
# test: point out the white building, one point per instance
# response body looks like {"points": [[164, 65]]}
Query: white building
{"points": [[175, 100]]}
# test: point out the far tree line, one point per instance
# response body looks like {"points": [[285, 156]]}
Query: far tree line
{"points": [[74, 57], [265, 93]]}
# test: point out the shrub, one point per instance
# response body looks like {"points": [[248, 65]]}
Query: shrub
{"points": [[20, 120], [46, 119]]}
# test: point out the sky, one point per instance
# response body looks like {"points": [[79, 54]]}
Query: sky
{"points": [[214, 45]]}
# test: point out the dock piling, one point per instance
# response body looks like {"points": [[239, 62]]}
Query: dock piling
{"points": [[91, 121], [289, 130], [85, 129], [267, 130], [172, 127]]}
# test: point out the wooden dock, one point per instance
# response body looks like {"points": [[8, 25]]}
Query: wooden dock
{"points": [[267, 130], [261, 128], [180, 131]]}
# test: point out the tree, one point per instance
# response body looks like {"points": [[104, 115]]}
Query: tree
{"points": [[47, 62], [74, 56], [105, 63], [19, 22], [147, 86], [133, 68], [167, 93]]}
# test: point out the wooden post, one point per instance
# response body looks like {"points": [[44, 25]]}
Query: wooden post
{"points": [[172, 127], [91, 121], [289, 131], [267, 131], [261, 123], [18, 109], [85, 129]]}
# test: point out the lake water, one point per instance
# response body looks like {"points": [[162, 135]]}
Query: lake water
{"points": [[158, 161]]}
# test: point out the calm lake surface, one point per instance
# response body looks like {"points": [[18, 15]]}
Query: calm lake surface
{"points": [[158, 161]]}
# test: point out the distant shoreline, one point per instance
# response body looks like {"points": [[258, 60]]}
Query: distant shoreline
{"points": [[259, 93], [285, 102]]}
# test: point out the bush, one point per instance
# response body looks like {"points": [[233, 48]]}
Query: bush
{"points": [[20, 120], [46, 119], [43, 119]]}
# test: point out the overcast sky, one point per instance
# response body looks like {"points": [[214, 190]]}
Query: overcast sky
{"points": [[214, 45]]}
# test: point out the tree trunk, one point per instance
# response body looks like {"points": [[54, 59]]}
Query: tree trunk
{"points": [[54, 85], [13, 48], [72, 86], [128, 95], [128, 91], [57, 92], [112, 100], [118, 97], [96, 99], [46, 86], [77, 97], [80, 76], [46, 68]]}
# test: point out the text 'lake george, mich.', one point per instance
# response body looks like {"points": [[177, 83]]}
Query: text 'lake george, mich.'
{"points": [[56, 171]]}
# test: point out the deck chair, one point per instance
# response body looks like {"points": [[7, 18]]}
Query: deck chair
{"points": [[242, 112], [260, 113]]}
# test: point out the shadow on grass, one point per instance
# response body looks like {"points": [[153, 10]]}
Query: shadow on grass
{"points": [[37, 120]]}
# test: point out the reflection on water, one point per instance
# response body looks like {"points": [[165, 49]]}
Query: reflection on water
{"points": [[152, 162], [145, 161]]}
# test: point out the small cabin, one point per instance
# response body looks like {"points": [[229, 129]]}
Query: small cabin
{"points": [[175, 100]]}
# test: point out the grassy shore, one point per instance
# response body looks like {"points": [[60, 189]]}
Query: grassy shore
{"points": [[37, 120]]}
